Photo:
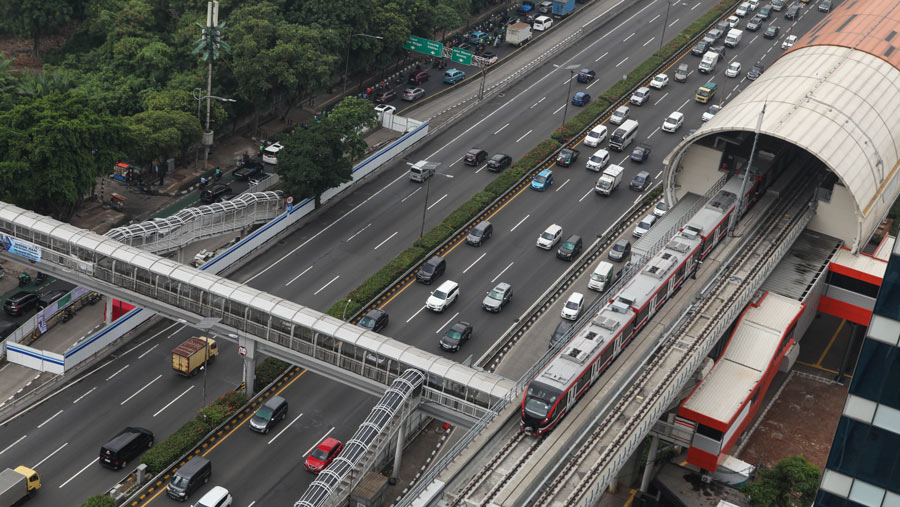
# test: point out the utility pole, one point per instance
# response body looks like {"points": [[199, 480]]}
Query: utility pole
{"points": [[209, 46]]}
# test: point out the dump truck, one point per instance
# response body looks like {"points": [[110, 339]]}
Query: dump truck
{"points": [[518, 34], [610, 179], [18, 484], [188, 357]]}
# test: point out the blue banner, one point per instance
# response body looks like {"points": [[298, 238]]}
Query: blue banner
{"points": [[21, 248]]}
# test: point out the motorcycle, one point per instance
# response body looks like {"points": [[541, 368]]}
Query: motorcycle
{"points": [[24, 279], [93, 298], [41, 277], [68, 314]]}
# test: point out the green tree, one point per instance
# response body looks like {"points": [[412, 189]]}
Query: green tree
{"points": [[99, 501], [446, 18], [160, 134], [313, 160], [34, 18], [45, 83], [793, 482], [350, 116]]}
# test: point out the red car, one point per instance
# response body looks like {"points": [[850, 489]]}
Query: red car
{"points": [[323, 455]]}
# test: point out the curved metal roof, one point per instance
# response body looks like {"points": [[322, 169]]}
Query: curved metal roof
{"points": [[835, 94]]}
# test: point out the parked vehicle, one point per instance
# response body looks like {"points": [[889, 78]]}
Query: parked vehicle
{"points": [[518, 34], [562, 8], [20, 302], [270, 154], [610, 179], [17, 485], [188, 357]]}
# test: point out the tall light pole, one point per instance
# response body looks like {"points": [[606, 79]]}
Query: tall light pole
{"points": [[209, 46], [347, 62], [666, 22], [432, 167], [571, 68], [199, 97]]}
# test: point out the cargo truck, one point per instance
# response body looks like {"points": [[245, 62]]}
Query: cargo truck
{"points": [[734, 37], [18, 484], [610, 179], [188, 357], [706, 92], [562, 8], [518, 34]]}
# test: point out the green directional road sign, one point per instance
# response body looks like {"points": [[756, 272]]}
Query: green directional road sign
{"points": [[461, 56], [429, 47]]}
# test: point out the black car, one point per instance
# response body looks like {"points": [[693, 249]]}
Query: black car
{"points": [[755, 71], [250, 169], [20, 302], [566, 157], [499, 162], [825, 6], [771, 32], [682, 72], [560, 332], [720, 49], [791, 12], [755, 23], [570, 248], [48, 298], [417, 77], [216, 193], [125, 446], [475, 156], [640, 182], [376, 320], [641, 153], [586, 75], [431, 270], [455, 336], [699, 48]]}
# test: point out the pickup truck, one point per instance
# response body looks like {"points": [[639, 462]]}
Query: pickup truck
{"points": [[567, 157], [17, 485]]}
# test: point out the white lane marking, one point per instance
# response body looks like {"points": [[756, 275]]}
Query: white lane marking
{"points": [[404, 199], [593, 83], [329, 226], [414, 315], [148, 384], [173, 401], [476, 262], [624, 159], [83, 395], [654, 18], [623, 61], [41, 462], [376, 248], [316, 293], [445, 323], [601, 56], [429, 207], [116, 373], [585, 195], [319, 441], [648, 42], [370, 223], [501, 128], [251, 504], [285, 428], [560, 108], [523, 136], [12, 444], [672, 23], [480, 168], [694, 7], [568, 79], [92, 462], [520, 223], [304, 272], [754, 39], [639, 198], [683, 104], [661, 99], [651, 133], [603, 14], [50, 419], [630, 36], [501, 273], [455, 161], [147, 352], [658, 175], [564, 184]]}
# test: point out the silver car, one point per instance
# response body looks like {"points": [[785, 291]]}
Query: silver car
{"points": [[412, 94], [619, 115], [497, 298]]}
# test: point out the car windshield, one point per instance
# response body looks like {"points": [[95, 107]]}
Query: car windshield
{"points": [[599, 277], [571, 305], [644, 225], [547, 235], [367, 321], [671, 120], [453, 335], [661, 205], [619, 114], [539, 399], [320, 454], [568, 246], [638, 179], [496, 294], [264, 413], [593, 134], [475, 233], [539, 178], [595, 158], [618, 247], [439, 294], [179, 481], [427, 268]]}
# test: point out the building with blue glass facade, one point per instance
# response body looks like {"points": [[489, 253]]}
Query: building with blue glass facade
{"points": [[863, 467]]}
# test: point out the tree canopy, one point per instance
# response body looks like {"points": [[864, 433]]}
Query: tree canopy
{"points": [[793, 482]]}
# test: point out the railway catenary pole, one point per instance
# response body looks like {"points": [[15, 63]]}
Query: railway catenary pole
{"points": [[739, 208]]}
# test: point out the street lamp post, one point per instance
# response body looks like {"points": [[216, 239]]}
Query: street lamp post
{"points": [[571, 68], [425, 204], [347, 62], [197, 93], [662, 37]]}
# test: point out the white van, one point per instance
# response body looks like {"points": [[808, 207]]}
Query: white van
{"points": [[754, 4], [596, 136], [421, 170], [602, 277], [624, 135], [708, 63], [541, 23], [734, 37], [742, 10]]}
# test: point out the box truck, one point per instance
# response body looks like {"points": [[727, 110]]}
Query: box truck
{"points": [[188, 357]]}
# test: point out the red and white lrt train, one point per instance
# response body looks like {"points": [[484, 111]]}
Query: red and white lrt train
{"points": [[559, 385]]}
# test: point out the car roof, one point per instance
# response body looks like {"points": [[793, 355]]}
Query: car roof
{"points": [[573, 237], [460, 326], [643, 89], [328, 443], [580, 94], [475, 150], [216, 493], [502, 286], [545, 172], [499, 155], [553, 227], [21, 294], [676, 114], [645, 174], [623, 242], [447, 285], [375, 312], [576, 296]]}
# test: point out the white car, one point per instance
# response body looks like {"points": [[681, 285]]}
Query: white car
{"points": [[660, 208], [733, 21], [742, 10], [596, 136], [572, 309], [598, 160], [709, 113], [659, 82], [789, 42], [270, 154], [443, 296], [216, 497], [381, 109], [640, 96], [619, 115], [643, 226], [673, 122], [549, 237], [542, 23], [733, 70]]}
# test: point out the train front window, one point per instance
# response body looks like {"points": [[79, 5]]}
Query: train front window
{"points": [[540, 399]]}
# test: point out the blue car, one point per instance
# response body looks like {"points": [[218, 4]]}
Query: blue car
{"points": [[477, 37], [454, 76], [581, 99], [542, 180]]}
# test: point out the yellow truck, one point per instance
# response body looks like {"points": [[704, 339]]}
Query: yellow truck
{"points": [[188, 357], [706, 92], [18, 484]]}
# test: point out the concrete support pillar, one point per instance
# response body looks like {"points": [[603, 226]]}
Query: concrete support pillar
{"points": [[398, 452], [651, 461], [247, 349], [107, 317]]}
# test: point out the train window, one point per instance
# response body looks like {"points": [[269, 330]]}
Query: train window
{"points": [[642, 315], [540, 399], [708, 432], [680, 273], [607, 353], [582, 382]]}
